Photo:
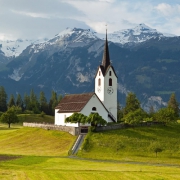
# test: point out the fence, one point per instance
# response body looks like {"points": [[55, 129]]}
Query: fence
{"points": [[72, 130]]}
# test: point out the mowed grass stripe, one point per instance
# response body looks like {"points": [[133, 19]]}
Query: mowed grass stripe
{"points": [[47, 168], [35, 141]]}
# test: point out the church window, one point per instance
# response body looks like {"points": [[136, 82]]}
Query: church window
{"points": [[64, 118], [99, 73], [94, 109], [99, 82], [109, 73], [110, 82]]}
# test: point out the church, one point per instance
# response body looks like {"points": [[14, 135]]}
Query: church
{"points": [[102, 101]]}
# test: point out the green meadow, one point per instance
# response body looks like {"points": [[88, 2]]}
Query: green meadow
{"points": [[33, 153]]}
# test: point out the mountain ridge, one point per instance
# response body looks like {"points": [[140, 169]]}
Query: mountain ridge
{"points": [[67, 63]]}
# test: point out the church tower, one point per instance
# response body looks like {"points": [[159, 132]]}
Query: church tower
{"points": [[106, 84]]}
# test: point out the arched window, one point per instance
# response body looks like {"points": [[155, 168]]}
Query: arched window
{"points": [[110, 82], [94, 109], [99, 73], [109, 73], [99, 82]]}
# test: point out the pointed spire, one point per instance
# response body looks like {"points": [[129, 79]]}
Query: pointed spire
{"points": [[106, 59]]}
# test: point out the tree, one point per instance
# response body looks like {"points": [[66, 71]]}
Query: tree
{"points": [[3, 99], [27, 102], [95, 119], [165, 115], [43, 103], [53, 102], [19, 101], [34, 104], [156, 147], [9, 116], [11, 101], [132, 103], [173, 104], [119, 112], [76, 118], [135, 117]]}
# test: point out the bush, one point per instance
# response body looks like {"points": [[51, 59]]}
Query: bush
{"points": [[28, 112]]}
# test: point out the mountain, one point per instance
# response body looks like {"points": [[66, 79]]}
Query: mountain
{"points": [[68, 62], [138, 34], [15, 47]]}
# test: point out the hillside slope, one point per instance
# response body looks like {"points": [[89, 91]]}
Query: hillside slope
{"points": [[135, 144], [35, 141]]}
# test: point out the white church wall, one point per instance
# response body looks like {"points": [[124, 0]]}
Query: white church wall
{"points": [[60, 119], [110, 99], [94, 102], [99, 90]]}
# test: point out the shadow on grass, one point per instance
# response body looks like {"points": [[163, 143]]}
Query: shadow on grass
{"points": [[8, 157], [4, 128]]}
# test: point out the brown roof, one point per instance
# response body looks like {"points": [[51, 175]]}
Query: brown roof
{"points": [[74, 102]]}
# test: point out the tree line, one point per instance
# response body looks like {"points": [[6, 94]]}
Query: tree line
{"points": [[133, 113], [29, 103]]}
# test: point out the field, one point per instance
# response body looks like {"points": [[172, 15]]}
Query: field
{"points": [[35, 118], [136, 144], [32, 153]]}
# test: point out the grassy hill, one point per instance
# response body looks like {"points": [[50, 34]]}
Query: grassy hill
{"points": [[33, 153], [34, 141], [135, 144], [35, 118]]}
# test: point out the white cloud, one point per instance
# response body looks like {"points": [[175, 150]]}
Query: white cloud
{"points": [[31, 14], [168, 10], [46, 17]]}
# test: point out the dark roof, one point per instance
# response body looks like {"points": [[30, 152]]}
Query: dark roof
{"points": [[74, 102], [106, 59]]}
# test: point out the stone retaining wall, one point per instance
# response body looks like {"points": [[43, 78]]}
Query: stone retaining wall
{"points": [[122, 126], [72, 130]]}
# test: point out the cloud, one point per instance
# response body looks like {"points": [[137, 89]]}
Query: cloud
{"points": [[20, 18], [168, 10]]}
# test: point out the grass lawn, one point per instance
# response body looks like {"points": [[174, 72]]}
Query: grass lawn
{"points": [[136, 144], [20, 140], [49, 168], [33, 153], [35, 118]]}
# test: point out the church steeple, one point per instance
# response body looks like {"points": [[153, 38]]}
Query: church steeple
{"points": [[106, 60]]}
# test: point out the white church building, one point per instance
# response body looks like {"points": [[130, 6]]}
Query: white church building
{"points": [[102, 101]]}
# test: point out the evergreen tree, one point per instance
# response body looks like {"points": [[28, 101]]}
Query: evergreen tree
{"points": [[173, 104], [119, 112], [43, 103], [132, 103], [53, 102], [60, 98], [11, 101], [34, 104], [19, 101], [26, 102], [3, 99]]}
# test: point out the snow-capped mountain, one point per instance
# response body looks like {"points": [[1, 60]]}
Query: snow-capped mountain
{"points": [[64, 42], [68, 62], [138, 34], [15, 47]]}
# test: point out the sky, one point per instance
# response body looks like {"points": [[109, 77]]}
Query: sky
{"points": [[32, 19]]}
